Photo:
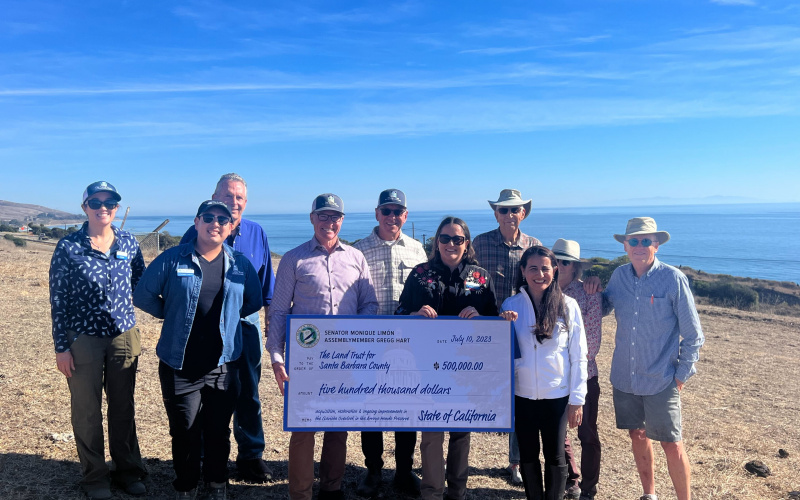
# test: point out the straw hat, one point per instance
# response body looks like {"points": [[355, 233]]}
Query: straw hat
{"points": [[511, 198], [643, 225]]}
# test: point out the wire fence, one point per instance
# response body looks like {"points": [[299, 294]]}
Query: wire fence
{"points": [[151, 244]]}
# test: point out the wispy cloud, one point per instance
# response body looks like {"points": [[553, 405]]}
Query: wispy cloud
{"points": [[735, 2], [216, 15]]}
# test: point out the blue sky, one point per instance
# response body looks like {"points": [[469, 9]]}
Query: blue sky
{"points": [[588, 103]]}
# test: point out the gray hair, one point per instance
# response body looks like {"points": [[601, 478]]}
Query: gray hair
{"points": [[232, 177]]}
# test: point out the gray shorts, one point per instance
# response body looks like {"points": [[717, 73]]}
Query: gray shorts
{"points": [[659, 415]]}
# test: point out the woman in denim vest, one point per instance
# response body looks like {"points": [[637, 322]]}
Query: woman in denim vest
{"points": [[201, 290]]}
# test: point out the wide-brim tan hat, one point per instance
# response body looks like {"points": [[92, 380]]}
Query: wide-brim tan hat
{"points": [[643, 225], [568, 250], [512, 198]]}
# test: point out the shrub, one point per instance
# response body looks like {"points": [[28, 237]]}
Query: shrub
{"points": [[726, 294], [5, 228], [168, 241], [604, 272], [17, 241]]}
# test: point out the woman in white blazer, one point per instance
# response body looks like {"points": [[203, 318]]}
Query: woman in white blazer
{"points": [[550, 374]]}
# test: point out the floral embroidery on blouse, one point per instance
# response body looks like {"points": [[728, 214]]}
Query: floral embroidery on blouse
{"points": [[475, 283], [427, 276]]}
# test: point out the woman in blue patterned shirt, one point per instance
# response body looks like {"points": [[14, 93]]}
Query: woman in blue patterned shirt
{"points": [[92, 276]]}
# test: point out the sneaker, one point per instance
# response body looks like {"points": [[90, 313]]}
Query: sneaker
{"points": [[648, 496], [586, 496], [101, 493], [254, 470], [215, 491], [370, 484], [573, 492], [516, 477], [186, 495]]}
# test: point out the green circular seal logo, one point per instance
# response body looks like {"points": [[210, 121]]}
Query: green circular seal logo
{"points": [[307, 336]]}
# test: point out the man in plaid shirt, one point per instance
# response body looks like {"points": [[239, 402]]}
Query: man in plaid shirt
{"points": [[499, 251], [391, 255]]}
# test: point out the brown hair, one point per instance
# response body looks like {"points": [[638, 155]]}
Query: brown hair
{"points": [[553, 303], [469, 254]]}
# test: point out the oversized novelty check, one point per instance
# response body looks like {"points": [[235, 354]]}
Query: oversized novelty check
{"points": [[398, 373]]}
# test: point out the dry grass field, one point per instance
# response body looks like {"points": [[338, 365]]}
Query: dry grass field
{"points": [[742, 405]]}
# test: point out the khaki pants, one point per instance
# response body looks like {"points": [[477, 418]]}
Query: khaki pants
{"points": [[432, 450], [106, 363], [301, 463]]}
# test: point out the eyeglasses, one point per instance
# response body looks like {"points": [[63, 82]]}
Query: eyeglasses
{"points": [[646, 242], [332, 218], [95, 204], [444, 239], [564, 263], [397, 212], [221, 219], [505, 210]]}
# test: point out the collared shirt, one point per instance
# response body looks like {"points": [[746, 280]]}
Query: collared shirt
{"points": [[592, 312], [250, 239], [312, 281], [658, 330], [390, 263], [90, 292], [170, 289], [501, 260]]}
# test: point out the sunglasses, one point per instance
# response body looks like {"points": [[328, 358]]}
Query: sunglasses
{"points": [[564, 263], [332, 218], [646, 242], [444, 239], [397, 212], [95, 204], [505, 210], [221, 219]]}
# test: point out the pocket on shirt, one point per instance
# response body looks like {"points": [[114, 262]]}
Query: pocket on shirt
{"points": [[405, 269]]}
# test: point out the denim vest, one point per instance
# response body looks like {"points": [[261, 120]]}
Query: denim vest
{"points": [[170, 289]]}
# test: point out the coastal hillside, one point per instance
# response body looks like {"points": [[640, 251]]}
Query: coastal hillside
{"points": [[741, 406], [27, 213]]}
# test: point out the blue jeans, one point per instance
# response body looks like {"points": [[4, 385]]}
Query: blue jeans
{"points": [[248, 429]]}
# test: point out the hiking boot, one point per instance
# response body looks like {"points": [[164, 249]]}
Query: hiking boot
{"points": [[370, 484], [407, 482], [573, 492], [215, 491], [254, 470]]}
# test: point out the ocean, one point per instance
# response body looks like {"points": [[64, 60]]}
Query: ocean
{"points": [[750, 240]]}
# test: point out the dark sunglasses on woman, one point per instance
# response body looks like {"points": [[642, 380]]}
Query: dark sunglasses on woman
{"points": [[95, 204], [444, 239]]}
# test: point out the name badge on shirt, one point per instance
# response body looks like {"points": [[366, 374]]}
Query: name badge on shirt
{"points": [[185, 271], [122, 255]]}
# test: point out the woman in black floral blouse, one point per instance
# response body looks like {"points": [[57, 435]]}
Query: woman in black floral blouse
{"points": [[449, 284]]}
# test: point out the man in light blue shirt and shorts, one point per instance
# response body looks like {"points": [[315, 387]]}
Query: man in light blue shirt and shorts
{"points": [[657, 344]]}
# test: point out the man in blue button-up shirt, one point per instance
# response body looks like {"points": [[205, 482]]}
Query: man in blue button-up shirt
{"points": [[250, 239], [657, 344]]}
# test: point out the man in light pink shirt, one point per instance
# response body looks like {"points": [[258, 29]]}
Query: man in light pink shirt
{"points": [[321, 276]]}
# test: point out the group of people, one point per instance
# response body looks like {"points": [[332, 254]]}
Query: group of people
{"points": [[210, 289]]}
